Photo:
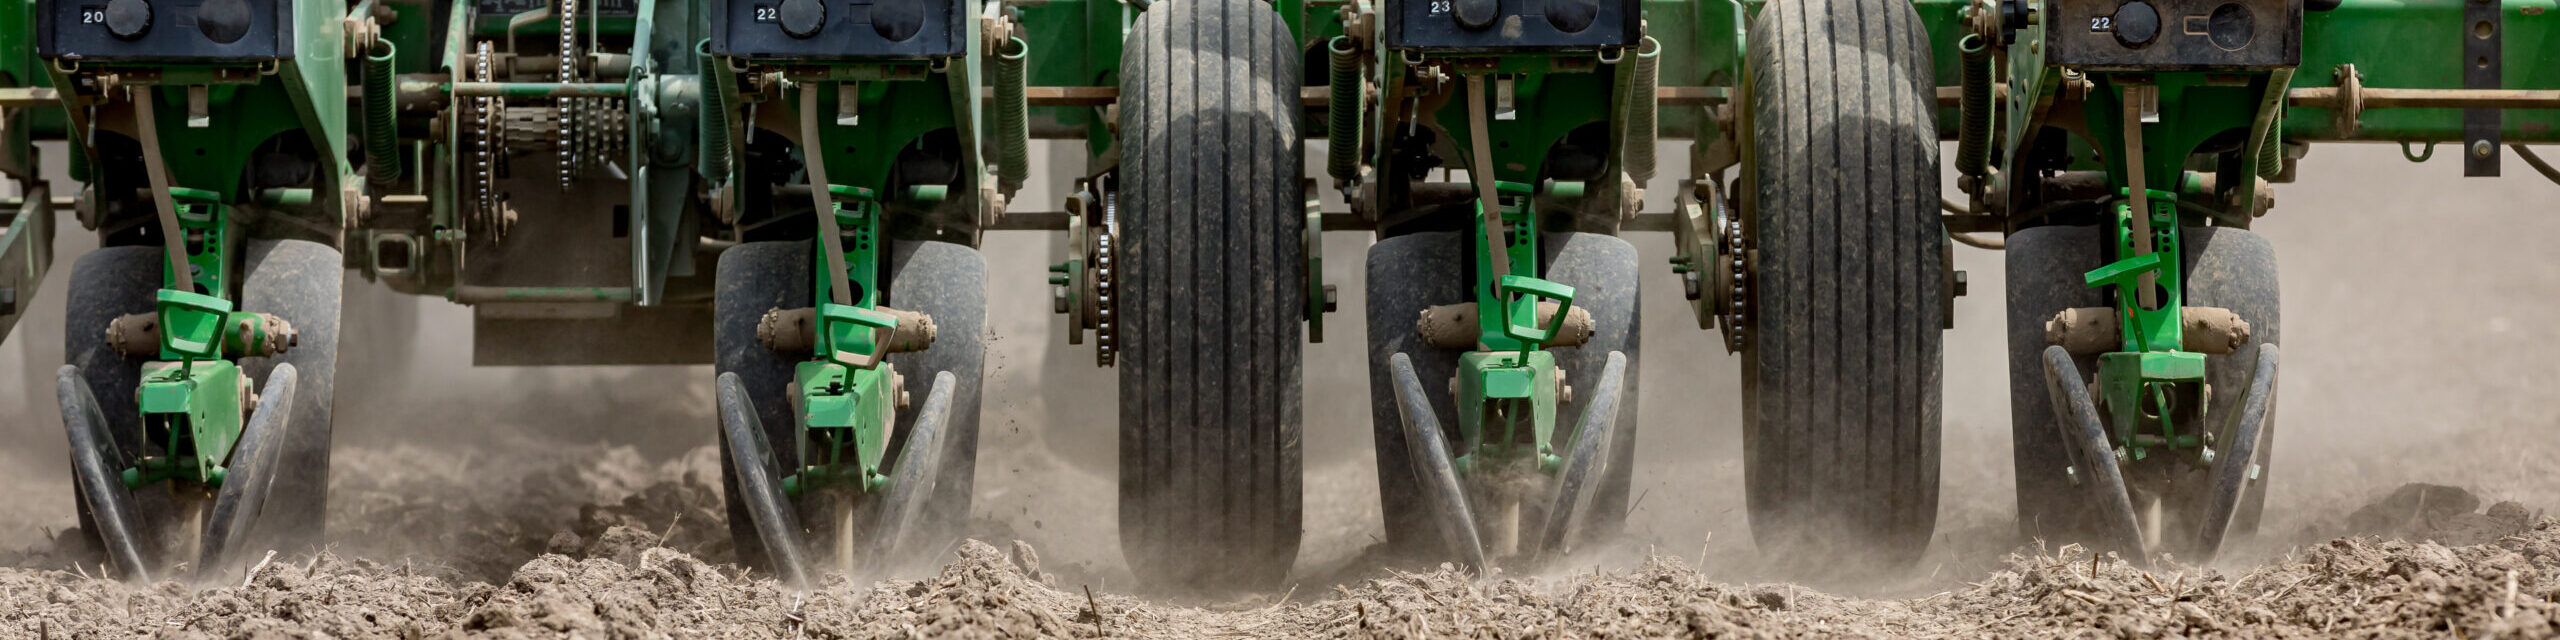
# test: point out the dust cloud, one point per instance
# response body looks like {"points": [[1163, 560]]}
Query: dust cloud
{"points": [[479, 500]]}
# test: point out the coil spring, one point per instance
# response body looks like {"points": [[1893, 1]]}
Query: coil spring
{"points": [[381, 133]]}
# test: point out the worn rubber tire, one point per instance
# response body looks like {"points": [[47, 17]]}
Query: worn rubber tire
{"points": [[1602, 270], [1407, 274], [300, 281], [1841, 369], [105, 284], [2043, 271], [753, 278], [948, 282], [2236, 269], [1212, 295]]}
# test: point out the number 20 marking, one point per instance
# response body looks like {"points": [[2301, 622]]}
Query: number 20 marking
{"points": [[93, 16]]}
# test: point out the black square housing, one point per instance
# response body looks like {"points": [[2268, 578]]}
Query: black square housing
{"points": [[754, 29], [173, 31], [1515, 25]]}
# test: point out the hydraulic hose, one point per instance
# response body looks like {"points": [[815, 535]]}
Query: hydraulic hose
{"points": [[1973, 131], [1342, 111], [715, 113], [381, 117], [1013, 117], [1642, 109]]}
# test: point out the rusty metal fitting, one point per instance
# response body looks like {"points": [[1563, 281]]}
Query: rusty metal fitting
{"points": [[2350, 108], [796, 330], [2088, 330], [254, 335], [1453, 326]]}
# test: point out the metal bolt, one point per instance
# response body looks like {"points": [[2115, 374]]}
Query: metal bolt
{"points": [[2481, 148], [2208, 455]]}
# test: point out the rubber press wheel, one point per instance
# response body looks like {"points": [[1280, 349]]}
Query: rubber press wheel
{"points": [[2236, 269], [2044, 267], [949, 283], [1407, 274], [1841, 370], [105, 284], [298, 281], [1211, 296], [753, 278], [1602, 270]]}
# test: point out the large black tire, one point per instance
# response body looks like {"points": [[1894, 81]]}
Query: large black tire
{"points": [[1211, 295], [299, 281], [753, 278], [2043, 271], [948, 282], [1407, 274], [105, 284], [1602, 270], [2236, 269], [1841, 368]]}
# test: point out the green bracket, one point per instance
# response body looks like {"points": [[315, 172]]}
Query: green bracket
{"points": [[1497, 391], [845, 415], [198, 402], [1520, 313], [2141, 383]]}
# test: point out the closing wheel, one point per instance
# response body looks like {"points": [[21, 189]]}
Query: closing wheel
{"points": [[2235, 464], [1841, 369], [107, 507], [1587, 461], [2093, 461], [2236, 269], [2044, 267], [1212, 295], [754, 470], [1604, 273], [947, 282], [249, 477], [753, 278], [1444, 497], [105, 284], [301, 282], [1406, 274], [897, 528]]}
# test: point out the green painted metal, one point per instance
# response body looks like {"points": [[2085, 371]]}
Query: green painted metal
{"points": [[1499, 392], [2137, 382], [2417, 44], [847, 395], [197, 403]]}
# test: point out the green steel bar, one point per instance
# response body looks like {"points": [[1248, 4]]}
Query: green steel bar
{"points": [[542, 89]]}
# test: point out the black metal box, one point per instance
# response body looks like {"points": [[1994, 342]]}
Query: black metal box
{"points": [[211, 31], [1513, 25], [821, 30], [2172, 35]]}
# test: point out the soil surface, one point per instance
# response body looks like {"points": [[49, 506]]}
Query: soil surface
{"points": [[2417, 448]]}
